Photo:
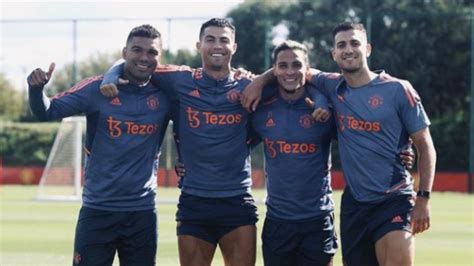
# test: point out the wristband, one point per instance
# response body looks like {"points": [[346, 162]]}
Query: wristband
{"points": [[423, 193]]}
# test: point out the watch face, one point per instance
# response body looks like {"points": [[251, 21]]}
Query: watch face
{"points": [[423, 193]]}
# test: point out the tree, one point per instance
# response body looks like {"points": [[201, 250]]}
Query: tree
{"points": [[424, 41], [99, 63], [96, 64], [253, 21], [11, 100]]}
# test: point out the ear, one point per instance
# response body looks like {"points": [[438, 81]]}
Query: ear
{"points": [[198, 46], [124, 52], [369, 49], [333, 54], [234, 47]]}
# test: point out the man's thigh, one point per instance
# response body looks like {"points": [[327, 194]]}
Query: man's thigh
{"points": [[138, 240], [95, 240], [299, 242], [357, 244], [194, 251], [362, 225], [396, 248], [238, 247], [319, 242], [213, 220], [280, 242], [394, 242]]}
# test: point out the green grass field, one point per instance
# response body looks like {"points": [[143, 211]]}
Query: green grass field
{"points": [[41, 233]]}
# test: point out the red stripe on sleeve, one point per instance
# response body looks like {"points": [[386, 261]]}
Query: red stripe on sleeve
{"points": [[81, 84], [410, 92]]}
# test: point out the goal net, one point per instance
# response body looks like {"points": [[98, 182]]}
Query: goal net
{"points": [[62, 175]]}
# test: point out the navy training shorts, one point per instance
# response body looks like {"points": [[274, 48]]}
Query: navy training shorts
{"points": [[299, 243], [99, 234], [363, 224], [210, 219]]}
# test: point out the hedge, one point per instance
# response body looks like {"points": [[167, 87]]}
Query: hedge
{"points": [[28, 144]]}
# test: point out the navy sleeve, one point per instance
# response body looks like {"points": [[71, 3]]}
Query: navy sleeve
{"points": [[39, 102], [319, 99], [325, 82], [113, 74], [411, 110], [253, 137], [269, 91], [72, 102]]}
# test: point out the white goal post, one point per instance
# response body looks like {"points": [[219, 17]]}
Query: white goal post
{"points": [[62, 176]]}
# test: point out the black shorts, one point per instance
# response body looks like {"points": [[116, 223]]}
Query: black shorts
{"points": [[363, 224], [99, 234], [303, 243], [210, 219]]}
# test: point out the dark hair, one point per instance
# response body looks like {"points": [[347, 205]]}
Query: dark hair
{"points": [[146, 30], [347, 26], [216, 22], [290, 45]]}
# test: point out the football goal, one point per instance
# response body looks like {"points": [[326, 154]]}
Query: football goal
{"points": [[62, 175]]}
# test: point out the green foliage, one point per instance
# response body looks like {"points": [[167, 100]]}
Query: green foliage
{"points": [[11, 100], [182, 57], [186, 57], [95, 65], [449, 136], [252, 20], [425, 41], [24, 144]]}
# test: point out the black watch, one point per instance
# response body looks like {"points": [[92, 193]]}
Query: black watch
{"points": [[423, 194]]}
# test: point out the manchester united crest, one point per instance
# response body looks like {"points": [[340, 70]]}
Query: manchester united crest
{"points": [[375, 101], [152, 102], [306, 121], [233, 95]]}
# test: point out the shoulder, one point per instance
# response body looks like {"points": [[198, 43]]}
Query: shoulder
{"points": [[181, 69], [240, 77], [268, 103], [329, 75], [401, 85], [87, 84]]}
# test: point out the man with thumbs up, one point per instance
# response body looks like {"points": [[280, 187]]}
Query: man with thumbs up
{"points": [[124, 135]]}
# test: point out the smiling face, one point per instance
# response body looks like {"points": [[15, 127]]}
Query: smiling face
{"points": [[141, 56], [216, 46], [351, 50], [290, 68]]}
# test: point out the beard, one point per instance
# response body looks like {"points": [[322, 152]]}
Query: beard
{"points": [[350, 70], [293, 91], [216, 67]]}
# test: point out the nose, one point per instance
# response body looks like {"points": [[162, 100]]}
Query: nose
{"points": [[290, 71], [348, 49], [218, 45], [144, 57]]}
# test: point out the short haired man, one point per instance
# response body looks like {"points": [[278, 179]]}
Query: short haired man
{"points": [[376, 114], [215, 206], [299, 224], [124, 134]]}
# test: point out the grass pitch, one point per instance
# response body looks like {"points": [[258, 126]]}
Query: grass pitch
{"points": [[42, 233]]}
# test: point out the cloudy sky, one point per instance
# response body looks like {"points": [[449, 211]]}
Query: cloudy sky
{"points": [[35, 33]]}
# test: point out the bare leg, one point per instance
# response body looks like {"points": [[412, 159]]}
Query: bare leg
{"points": [[397, 248], [194, 251], [238, 247]]}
